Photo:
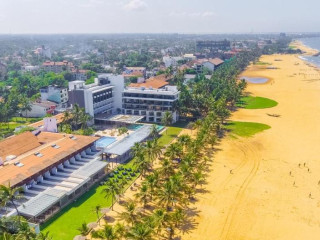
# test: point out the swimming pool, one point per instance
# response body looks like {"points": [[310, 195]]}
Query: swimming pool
{"points": [[104, 142], [135, 127], [256, 80], [159, 128]]}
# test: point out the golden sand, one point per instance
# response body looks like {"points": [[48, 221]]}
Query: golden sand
{"points": [[269, 196]]}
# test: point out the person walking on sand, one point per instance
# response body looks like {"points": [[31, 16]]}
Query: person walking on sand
{"points": [[299, 164], [290, 173], [310, 195], [231, 171], [304, 164]]}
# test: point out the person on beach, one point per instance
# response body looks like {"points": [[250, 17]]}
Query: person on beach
{"points": [[310, 195], [231, 171]]}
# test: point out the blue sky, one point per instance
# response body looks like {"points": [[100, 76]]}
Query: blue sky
{"points": [[158, 16]]}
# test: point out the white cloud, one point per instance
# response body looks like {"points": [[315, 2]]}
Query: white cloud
{"points": [[192, 14], [135, 5]]}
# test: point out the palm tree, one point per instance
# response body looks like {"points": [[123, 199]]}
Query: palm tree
{"points": [[140, 231], [154, 131], [25, 105], [11, 194], [130, 214], [143, 195], [97, 210], [43, 236], [141, 164], [152, 182], [84, 230], [111, 189], [66, 117], [174, 151], [160, 217], [108, 233], [167, 119], [152, 150], [137, 149], [84, 119]]}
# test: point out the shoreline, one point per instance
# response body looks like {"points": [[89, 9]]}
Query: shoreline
{"points": [[306, 50]]}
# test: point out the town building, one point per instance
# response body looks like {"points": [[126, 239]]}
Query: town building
{"points": [[55, 94], [52, 169], [79, 74], [57, 67], [137, 71], [151, 102], [171, 61], [101, 97], [211, 64], [40, 109]]}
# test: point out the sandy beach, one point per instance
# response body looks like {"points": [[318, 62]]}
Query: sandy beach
{"points": [[305, 49], [274, 191]]}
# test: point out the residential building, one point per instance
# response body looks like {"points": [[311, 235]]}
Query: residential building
{"points": [[101, 97], [55, 94], [210, 64], [40, 109], [136, 70], [43, 52], [53, 169], [57, 67], [189, 57], [151, 102], [171, 61], [79, 74]]}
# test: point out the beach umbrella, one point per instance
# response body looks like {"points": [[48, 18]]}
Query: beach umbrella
{"points": [[105, 210], [79, 237], [92, 225]]}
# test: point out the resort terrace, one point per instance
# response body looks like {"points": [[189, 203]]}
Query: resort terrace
{"points": [[53, 169]]}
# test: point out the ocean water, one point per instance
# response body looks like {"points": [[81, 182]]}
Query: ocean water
{"points": [[315, 44]]}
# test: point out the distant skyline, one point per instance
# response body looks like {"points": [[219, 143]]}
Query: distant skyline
{"points": [[158, 16]]}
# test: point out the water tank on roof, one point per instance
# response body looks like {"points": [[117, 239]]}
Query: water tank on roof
{"points": [[10, 157]]}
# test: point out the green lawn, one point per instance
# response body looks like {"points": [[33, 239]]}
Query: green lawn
{"points": [[250, 102], [246, 129], [171, 133], [64, 225], [14, 122]]}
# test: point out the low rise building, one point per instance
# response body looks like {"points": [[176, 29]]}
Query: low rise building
{"points": [[101, 97], [79, 74], [52, 169], [40, 109], [55, 94], [57, 67], [151, 102]]}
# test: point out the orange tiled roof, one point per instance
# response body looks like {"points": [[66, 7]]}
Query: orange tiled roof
{"points": [[32, 164], [153, 82]]}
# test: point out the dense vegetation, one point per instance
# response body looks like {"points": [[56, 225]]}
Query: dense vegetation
{"points": [[218, 94]]}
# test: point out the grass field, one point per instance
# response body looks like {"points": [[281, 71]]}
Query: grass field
{"points": [[64, 225], [8, 128], [245, 129], [250, 102]]}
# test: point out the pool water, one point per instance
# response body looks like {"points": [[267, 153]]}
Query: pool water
{"points": [[135, 127], [105, 141], [159, 128], [256, 80]]}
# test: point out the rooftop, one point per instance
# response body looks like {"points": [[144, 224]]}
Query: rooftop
{"points": [[154, 82], [38, 155], [39, 124], [127, 143]]}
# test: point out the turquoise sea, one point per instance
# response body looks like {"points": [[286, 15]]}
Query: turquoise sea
{"points": [[313, 43]]}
